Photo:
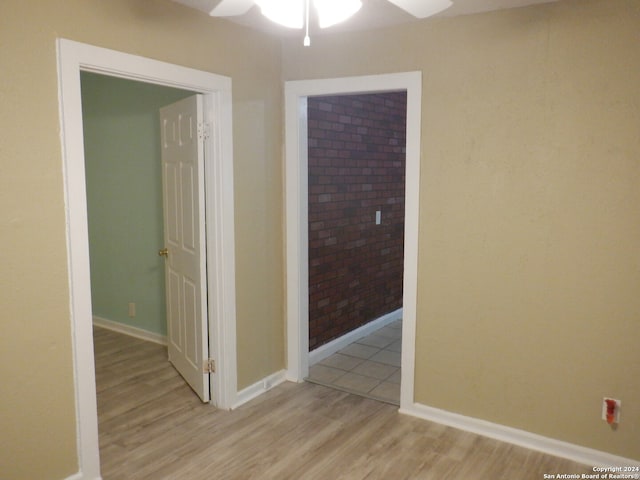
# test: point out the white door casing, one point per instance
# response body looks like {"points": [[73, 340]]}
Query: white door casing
{"points": [[296, 183], [74, 57], [182, 153]]}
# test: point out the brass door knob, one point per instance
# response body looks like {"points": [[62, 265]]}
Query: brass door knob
{"points": [[163, 252]]}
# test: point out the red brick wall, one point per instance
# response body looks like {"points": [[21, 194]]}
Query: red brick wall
{"points": [[356, 167]]}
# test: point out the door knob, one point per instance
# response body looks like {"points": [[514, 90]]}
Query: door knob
{"points": [[163, 252]]}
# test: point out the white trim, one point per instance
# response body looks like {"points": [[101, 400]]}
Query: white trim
{"points": [[82, 476], [297, 237], [74, 57], [125, 329], [348, 338], [220, 222], [296, 167], [522, 438], [260, 387], [411, 234]]}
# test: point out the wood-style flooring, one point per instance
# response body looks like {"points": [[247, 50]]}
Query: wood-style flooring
{"points": [[152, 426]]}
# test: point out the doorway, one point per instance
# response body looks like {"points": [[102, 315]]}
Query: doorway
{"points": [[74, 57], [125, 147], [356, 165], [124, 202], [296, 173]]}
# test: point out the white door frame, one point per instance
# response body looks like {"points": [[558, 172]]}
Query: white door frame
{"points": [[296, 183], [74, 57]]}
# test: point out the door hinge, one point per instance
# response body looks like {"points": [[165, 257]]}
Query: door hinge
{"points": [[209, 365], [203, 131]]}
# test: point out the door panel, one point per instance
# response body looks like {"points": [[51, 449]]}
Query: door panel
{"points": [[171, 203], [183, 190]]}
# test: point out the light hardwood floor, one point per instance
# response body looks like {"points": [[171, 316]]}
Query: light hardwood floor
{"points": [[152, 426]]}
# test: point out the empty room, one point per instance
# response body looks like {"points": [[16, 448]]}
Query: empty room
{"points": [[520, 263]]}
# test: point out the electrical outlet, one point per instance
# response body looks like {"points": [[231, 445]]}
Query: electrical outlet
{"points": [[616, 411], [132, 309]]}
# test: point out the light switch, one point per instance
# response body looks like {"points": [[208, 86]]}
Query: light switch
{"points": [[378, 217]]}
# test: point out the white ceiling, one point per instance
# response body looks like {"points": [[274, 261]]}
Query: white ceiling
{"points": [[373, 14]]}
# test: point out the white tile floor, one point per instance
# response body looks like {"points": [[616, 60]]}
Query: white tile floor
{"points": [[368, 367]]}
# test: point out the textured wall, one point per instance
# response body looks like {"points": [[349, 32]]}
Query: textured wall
{"points": [[529, 267], [356, 167], [37, 404]]}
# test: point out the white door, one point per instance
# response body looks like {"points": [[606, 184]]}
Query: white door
{"points": [[182, 148]]}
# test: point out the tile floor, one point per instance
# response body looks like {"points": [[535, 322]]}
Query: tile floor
{"points": [[369, 367]]}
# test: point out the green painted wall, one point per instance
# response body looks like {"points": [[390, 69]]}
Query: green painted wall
{"points": [[124, 197]]}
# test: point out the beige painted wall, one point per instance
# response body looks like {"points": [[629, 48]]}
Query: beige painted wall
{"points": [[37, 415], [529, 270], [529, 267]]}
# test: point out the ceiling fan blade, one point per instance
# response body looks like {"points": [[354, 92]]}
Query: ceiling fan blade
{"points": [[231, 8], [422, 8]]}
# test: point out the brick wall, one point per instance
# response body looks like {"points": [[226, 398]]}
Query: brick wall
{"points": [[356, 167]]}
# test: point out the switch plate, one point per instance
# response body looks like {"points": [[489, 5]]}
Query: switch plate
{"points": [[378, 217], [132, 309]]}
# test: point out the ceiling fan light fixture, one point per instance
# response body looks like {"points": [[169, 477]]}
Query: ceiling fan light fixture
{"points": [[422, 8], [288, 13], [291, 13], [331, 12]]}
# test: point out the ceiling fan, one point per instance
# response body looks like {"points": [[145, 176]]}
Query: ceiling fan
{"points": [[295, 13], [417, 8]]}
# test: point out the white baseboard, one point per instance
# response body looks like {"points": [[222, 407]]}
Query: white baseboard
{"points": [[81, 476], [129, 330], [333, 346], [532, 441], [258, 388]]}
